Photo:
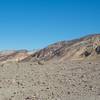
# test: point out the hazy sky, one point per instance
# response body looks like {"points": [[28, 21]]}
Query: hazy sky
{"points": [[34, 24]]}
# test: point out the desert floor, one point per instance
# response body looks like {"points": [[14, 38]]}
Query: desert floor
{"points": [[72, 80]]}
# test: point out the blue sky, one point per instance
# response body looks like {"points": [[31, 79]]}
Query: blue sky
{"points": [[33, 24]]}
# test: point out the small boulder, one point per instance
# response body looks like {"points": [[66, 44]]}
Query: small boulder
{"points": [[86, 53]]}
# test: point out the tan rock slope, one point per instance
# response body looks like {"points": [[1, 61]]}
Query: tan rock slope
{"points": [[85, 47]]}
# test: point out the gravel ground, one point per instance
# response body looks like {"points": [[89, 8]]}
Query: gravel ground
{"points": [[71, 80]]}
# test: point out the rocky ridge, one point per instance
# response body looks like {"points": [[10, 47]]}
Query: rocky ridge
{"points": [[85, 47]]}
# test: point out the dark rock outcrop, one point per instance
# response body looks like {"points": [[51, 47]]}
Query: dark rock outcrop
{"points": [[97, 50]]}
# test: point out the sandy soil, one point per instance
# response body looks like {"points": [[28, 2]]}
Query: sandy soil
{"points": [[72, 80]]}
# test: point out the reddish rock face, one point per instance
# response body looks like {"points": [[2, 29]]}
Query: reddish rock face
{"points": [[15, 55]]}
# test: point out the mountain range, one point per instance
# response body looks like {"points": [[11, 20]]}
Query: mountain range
{"points": [[85, 47]]}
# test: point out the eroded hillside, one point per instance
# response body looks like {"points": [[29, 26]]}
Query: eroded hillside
{"points": [[84, 47]]}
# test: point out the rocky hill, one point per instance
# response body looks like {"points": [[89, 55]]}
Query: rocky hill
{"points": [[13, 55], [85, 47]]}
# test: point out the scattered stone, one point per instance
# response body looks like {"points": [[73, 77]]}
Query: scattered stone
{"points": [[40, 62], [68, 93], [91, 87]]}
